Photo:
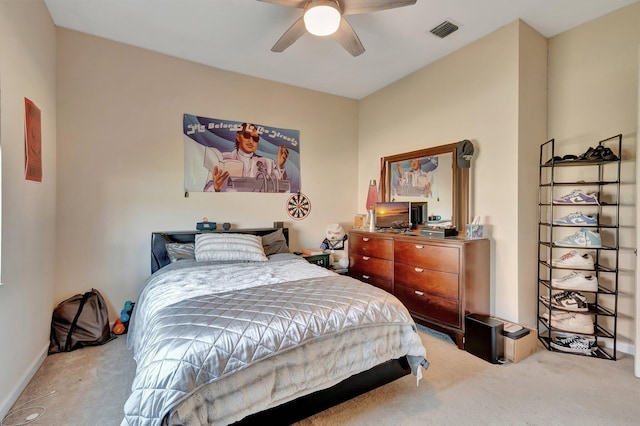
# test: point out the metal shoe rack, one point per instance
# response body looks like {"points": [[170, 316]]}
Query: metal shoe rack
{"points": [[560, 175]]}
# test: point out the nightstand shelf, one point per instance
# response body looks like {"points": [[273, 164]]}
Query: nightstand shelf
{"points": [[319, 259]]}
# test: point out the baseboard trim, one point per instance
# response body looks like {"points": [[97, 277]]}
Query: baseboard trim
{"points": [[23, 382], [626, 348]]}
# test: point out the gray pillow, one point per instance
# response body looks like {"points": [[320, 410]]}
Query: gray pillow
{"points": [[180, 251], [274, 243]]}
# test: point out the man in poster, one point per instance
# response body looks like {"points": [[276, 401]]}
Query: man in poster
{"points": [[417, 181], [246, 163]]}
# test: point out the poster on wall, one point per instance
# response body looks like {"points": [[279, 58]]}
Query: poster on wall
{"points": [[235, 156], [32, 142]]}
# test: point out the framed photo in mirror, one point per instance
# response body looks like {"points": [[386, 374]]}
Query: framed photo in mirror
{"points": [[429, 175]]}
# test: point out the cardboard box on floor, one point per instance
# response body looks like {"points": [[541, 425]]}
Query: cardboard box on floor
{"points": [[515, 350]]}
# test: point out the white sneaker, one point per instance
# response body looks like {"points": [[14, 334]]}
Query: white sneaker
{"points": [[577, 196], [577, 219], [570, 321], [582, 238], [567, 300], [574, 260], [573, 343], [576, 281]]}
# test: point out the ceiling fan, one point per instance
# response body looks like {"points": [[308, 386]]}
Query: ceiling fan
{"points": [[326, 17]]}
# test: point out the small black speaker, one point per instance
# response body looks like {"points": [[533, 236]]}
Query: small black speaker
{"points": [[483, 337], [226, 226], [206, 226]]}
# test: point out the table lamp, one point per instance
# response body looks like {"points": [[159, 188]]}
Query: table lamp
{"points": [[372, 199]]}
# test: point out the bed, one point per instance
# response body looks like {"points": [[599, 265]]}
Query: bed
{"points": [[231, 328]]}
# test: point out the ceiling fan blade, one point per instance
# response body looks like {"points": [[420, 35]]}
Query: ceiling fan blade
{"points": [[300, 4], [348, 38], [294, 32], [351, 7]]}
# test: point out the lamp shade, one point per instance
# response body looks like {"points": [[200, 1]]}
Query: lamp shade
{"points": [[372, 195], [322, 17]]}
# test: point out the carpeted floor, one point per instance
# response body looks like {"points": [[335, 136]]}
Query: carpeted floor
{"points": [[91, 385]]}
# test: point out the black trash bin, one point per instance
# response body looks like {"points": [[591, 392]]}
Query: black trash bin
{"points": [[483, 337]]}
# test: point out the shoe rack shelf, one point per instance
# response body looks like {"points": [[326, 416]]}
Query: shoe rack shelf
{"points": [[596, 171]]}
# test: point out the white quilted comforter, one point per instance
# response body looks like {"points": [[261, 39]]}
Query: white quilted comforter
{"points": [[205, 338]]}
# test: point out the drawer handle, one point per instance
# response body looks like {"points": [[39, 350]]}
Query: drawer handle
{"points": [[365, 239], [419, 269], [366, 277], [419, 293], [365, 257], [419, 246]]}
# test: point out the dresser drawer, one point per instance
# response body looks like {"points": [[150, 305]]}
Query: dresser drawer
{"points": [[373, 280], [367, 246], [435, 283], [438, 308], [372, 266], [440, 258]]}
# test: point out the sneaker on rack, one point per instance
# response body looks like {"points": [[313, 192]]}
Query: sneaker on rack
{"points": [[608, 155], [587, 155], [577, 196], [568, 342], [570, 321], [567, 300], [576, 219], [574, 260], [599, 153], [582, 238], [576, 281]]}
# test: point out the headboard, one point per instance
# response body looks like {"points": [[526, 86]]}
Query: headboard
{"points": [[160, 258]]}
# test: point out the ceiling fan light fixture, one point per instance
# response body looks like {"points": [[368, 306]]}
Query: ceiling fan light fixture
{"points": [[322, 17]]}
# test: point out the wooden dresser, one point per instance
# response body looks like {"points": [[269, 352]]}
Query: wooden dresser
{"points": [[438, 280]]}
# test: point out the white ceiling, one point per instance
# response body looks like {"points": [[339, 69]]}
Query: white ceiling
{"points": [[237, 35]]}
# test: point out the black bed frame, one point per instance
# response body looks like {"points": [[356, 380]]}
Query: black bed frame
{"points": [[308, 405], [160, 258]]}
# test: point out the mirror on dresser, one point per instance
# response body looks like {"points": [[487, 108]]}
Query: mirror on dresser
{"points": [[429, 175]]}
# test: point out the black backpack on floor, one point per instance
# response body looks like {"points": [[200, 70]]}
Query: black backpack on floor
{"points": [[81, 320]]}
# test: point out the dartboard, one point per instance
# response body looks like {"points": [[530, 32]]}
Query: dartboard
{"points": [[298, 206]]}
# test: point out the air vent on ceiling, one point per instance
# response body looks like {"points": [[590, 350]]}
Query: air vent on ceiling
{"points": [[444, 29]]}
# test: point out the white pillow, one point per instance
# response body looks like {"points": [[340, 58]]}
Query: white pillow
{"points": [[236, 247]]}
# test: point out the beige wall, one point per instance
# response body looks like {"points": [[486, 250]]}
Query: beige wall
{"points": [[593, 86], [480, 93], [120, 158], [532, 132], [637, 275], [27, 69], [118, 175]]}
